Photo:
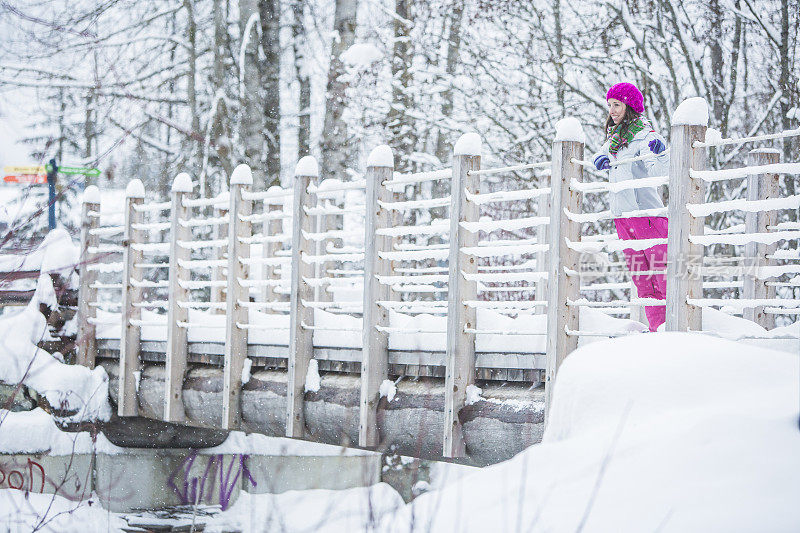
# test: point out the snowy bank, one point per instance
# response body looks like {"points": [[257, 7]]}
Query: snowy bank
{"points": [[659, 432], [77, 392]]}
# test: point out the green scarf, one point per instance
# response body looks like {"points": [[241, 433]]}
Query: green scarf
{"points": [[622, 134]]}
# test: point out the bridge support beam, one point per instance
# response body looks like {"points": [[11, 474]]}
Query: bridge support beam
{"points": [[684, 259], [239, 229], [301, 349], [760, 187], [131, 295], [177, 335], [564, 270], [375, 343], [87, 293], [461, 319]]}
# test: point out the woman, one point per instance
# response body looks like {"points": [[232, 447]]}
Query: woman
{"points": [[629, 135]]}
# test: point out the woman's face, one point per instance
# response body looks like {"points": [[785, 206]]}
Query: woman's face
{"points": [[616, 110]]}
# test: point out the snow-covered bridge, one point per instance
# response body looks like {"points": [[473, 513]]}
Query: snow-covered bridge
{"points": [[313, 312]]}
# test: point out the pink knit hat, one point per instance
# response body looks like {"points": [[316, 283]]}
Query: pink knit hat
{"points": [[628, 94]]}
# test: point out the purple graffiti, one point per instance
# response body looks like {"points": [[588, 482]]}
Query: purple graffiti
{"points": [[190, 489]]}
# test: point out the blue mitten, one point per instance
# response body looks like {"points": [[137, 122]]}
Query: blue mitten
{"points": [[656, 146], [601, 162]]}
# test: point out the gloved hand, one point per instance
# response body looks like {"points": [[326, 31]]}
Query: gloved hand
{"points": [[601, 162], [656, 146]]}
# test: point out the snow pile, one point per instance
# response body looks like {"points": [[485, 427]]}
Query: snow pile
{"points": [[312, 377], [361, 55], [57, 253], [473, 394], [321, 511], [657, 432], [388, 390], [76, 391], [246, 367], [692, 111], [258, 444], [570, 129], [43, 436], [29, 511]]}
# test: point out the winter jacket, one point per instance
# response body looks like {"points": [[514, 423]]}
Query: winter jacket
{"points": [[635, 199]]}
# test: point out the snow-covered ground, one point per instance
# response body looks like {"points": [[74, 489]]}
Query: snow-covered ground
{"points": [[658, 432]]}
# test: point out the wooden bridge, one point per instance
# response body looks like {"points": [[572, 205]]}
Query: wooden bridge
{"points": [[224, 312]]}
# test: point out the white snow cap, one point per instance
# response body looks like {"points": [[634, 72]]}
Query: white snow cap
{"points": [[182, 183], [570, 129], [381, 156], [691, 112], [91, 195], [135, 189], [713, 136], [361, 55], [468, 144], [242, 175], [307, 166]]}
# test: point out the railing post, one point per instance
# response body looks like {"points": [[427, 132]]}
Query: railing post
{"points": [[682, 256], [543, 210], [375, 347], [177, 335], [563, 269], [131, 294], [87, 294], [239, 228], [220, 232], [301, 349], [760, 187], [460, 354], [269, 250]]}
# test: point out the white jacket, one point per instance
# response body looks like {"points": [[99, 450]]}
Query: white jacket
{"points": [[635, 199]]}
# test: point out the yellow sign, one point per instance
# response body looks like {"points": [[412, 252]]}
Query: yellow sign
{"points": [[32, 169]]}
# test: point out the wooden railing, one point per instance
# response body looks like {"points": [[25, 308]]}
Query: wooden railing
{"points": [[373, 285]]}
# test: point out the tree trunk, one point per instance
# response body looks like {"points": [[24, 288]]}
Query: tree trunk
{"points": [[402, 138], [250, 109], [443, 150], [337, 146], [269, 11], [300, 44]]}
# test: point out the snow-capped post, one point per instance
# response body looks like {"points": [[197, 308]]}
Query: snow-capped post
{"points": [[375, 346], [239, 230], [760, 187], [87, 294], [273, 228], [177, 338], [563, 268], [684, 259], [131, 295], [218, 272], [301, 349], [460, 351]]}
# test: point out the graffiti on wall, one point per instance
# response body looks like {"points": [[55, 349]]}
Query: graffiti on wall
{"points": [[218, 479]]}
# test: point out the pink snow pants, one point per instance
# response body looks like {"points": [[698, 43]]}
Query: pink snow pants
{"points": [[654, 258]]}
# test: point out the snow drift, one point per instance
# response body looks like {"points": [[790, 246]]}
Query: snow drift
{"points": [[658, 432]]}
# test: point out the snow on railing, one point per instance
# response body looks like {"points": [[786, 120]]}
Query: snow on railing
{"points": [[313, 268]]}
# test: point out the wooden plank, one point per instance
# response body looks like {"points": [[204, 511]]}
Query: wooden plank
{"points": [[270, 250], [543, 209], [131, 335], [375, 346], [760, 187], [460, 355], [683, 256], [87, 332], [218, 273], [300, 338], [235, 336], [177, 337], [562, 285]]}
